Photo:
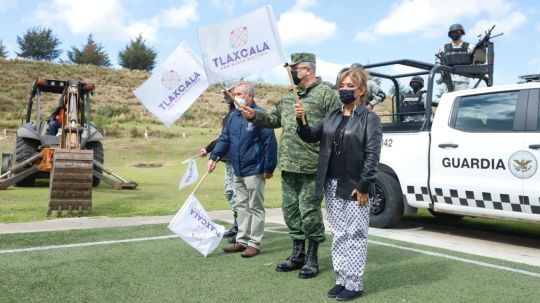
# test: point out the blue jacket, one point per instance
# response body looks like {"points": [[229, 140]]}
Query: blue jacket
{"points": [[252, 149]]}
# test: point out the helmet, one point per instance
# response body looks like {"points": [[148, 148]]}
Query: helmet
{"points": [[456, 27], [417, 79]]}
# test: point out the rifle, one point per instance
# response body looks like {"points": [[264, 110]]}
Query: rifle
{"points": [[445, 77], [481, 46]]}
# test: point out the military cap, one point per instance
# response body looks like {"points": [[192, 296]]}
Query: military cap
{"points": [[231, 84], [302, 57]]}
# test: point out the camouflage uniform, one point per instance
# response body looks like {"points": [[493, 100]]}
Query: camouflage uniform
{"points": [[298, 159]]}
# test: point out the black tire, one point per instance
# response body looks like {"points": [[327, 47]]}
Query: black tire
{"points": [[387, 206], [6, 163], [99, 157], [25, 149], [445, 217]]}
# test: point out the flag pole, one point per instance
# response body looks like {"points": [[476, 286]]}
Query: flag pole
{"points": [[191, 158], [230, 95], [200, 182], [295, 92]]}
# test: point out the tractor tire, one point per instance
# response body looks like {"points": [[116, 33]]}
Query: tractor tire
{"points": [[386, 208], [99, 157], [6, 163], [25, 149], [447, 218]]}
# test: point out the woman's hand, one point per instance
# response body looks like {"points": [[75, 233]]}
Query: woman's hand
{"points": [[299, 110], [361, 198]]}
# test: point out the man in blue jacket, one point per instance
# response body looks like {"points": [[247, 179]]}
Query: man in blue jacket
{"points": [[253, 154]]}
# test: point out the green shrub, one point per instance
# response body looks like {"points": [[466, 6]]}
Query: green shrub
{"points": [[134, 132], [110, 111]]}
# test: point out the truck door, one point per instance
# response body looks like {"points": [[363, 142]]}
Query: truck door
{"points": [[524, 164], [470, 152]]}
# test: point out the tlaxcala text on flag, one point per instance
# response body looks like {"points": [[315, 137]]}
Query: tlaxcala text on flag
{"points": [[176, 84], [240, 47]]}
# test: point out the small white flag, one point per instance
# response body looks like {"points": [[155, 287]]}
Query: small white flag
{"points": [[193, 225], [240, 47], [174, 86], [191, 175]]}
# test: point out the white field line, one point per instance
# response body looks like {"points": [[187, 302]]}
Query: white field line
{"points": [[271, 230], [18, 250]]}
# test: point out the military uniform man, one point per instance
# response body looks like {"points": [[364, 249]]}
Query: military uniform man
{"points": [[414, 101], [457, 52], [298, 162]]}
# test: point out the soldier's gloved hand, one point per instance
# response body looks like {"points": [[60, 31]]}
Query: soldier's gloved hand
{"points": [[381, 96]]}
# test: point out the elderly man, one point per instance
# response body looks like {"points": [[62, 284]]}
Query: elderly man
{"points": [[229, 172], [252, 153], [298, 162]]}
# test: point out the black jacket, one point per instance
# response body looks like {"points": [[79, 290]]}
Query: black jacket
{"points": [[361, 149], [210, 147]]}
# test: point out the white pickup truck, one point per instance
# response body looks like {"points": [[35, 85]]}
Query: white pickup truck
{"points": [[477, 155]]}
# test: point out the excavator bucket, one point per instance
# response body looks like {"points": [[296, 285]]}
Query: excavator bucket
{"points": [[70, 186]]}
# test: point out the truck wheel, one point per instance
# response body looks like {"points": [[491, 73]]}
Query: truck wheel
{"points": [[386, 209], [25, 149], [99, 156], [445, 217]]}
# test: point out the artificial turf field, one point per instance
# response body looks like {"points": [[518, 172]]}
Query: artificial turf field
{"points": [[165, 269]]}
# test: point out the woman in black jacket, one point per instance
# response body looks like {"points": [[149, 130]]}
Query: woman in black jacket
{"points": [[350, 139]]}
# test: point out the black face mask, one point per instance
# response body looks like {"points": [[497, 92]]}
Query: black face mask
{"points": [[228, 99], [456, 35], [416, 86], [346, 96], [295, 78]]}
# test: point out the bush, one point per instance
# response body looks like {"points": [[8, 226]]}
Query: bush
{"points": [[109, 111], [134, 132]]}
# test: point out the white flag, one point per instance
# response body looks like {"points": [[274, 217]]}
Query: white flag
{"points": [[191, 175], [241, 47], [174, 86], [193, 225]]}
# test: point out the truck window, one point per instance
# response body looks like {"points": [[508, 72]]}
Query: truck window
{"points": [[487, 113]]}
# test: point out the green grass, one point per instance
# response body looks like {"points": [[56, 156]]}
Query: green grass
{"points": [[170, 271], [157, 193]]}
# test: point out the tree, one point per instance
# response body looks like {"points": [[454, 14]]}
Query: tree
{"points": [[136, 55], [3, 50], [91, 53], [39, 43]]}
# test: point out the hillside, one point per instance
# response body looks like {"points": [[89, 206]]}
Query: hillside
{"points": [[113, 100]]}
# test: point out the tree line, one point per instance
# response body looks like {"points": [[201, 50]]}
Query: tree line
{"points": [[40, 43]]}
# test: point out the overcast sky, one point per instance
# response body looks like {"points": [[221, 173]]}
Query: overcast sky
{"points": [[338, 32]]}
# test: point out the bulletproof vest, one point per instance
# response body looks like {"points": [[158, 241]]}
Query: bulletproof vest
{"points": [[413, 102], [457, 56]]}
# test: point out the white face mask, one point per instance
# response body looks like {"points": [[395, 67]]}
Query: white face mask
{"points": [[240, 100]]}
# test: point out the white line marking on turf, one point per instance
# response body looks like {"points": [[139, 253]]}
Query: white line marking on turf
{"points": [[435, 254], [430, 253], [17, 250]]}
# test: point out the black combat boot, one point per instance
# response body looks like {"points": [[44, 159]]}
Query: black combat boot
{"points": [[297, 258], [231, 233], [311, 268]]}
